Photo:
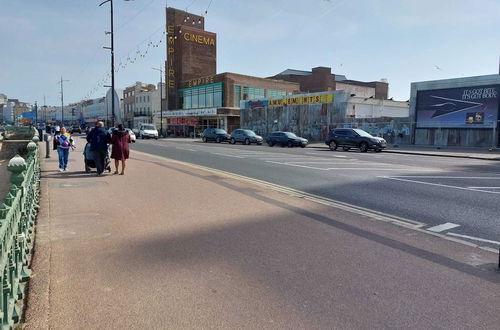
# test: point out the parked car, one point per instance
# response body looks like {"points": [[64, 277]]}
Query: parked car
{"points": [[215, 134], [348, 138], [286, 139], [76, 129], [147, 131], [132, 134], [245, 136]]}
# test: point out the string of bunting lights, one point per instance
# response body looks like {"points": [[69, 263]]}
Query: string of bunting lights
{"points": [[141, 51]]}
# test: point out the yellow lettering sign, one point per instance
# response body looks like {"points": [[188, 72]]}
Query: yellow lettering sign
{"points": [[199, 39], [170, 29], [201, 81], [324, 98], [171, 84], [171, 73]]}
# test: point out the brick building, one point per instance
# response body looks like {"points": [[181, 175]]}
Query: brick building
{"points": [[321, 79], [133, 98]]}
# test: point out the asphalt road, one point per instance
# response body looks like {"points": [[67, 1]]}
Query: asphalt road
{"points": [[461, 196]]}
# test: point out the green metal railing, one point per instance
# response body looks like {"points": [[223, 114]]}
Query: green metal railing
{"points": [[17, 220]]}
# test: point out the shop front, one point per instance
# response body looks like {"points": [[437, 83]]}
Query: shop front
{"points": [[191, 123]]}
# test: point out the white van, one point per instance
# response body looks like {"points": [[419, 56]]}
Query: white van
{"points": [[147, 131]]}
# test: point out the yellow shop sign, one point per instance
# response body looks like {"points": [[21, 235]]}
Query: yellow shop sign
{"points": [[307, 99]]}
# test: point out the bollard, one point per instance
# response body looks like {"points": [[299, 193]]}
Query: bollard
{"points": [[47, 137]]}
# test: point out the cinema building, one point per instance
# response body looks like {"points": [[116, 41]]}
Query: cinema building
{"points": [[198, 97]]}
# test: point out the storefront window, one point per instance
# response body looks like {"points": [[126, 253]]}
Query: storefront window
{"points": [[194, 99]]}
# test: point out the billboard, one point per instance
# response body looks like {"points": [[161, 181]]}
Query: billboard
{"points": [[464, 107]]}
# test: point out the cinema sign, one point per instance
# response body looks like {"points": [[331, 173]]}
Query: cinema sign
{"points": [[198, 38]]}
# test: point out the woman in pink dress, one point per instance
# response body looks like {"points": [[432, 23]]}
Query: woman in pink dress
{"points": [[120, 150]]}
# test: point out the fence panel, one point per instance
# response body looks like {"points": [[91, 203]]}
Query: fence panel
{"points": [[17, 220]]}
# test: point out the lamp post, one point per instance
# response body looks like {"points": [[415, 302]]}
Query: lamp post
{"points": [[62, 100], [161, 99], [112, 49]]}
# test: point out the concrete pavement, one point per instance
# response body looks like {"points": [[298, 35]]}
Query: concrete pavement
{"points": [[168, 246]]}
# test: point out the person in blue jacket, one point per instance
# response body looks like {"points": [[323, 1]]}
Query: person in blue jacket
{"points": [[99, 139]]}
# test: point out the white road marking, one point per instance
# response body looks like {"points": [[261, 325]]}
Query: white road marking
{"points": [[324, 161], [346, 168], [215, 153], [437, 184], [474, 238], [483, 187], [379, 169], [303, 166], [443, 227], [185, 149]]}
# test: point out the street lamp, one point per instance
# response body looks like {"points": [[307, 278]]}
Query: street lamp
{"points": [[112, 49], [36, 114], [62, 100], [161, 99]]}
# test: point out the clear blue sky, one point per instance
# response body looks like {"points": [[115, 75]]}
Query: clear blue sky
{"points": [[401, 40]]}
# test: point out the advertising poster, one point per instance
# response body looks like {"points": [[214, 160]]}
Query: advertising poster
{"points": [[464, 107]]}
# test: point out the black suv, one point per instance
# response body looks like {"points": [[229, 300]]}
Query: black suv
{"points": [[348, 138], [245, 136], [215, 134], [286, 139]]}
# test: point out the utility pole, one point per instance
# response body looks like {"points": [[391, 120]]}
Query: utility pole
{"points": [[44, 110], [112, 49], [161, 99], [62, 101], [36, 114]]}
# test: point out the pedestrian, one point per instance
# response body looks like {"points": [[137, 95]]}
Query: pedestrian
{"points": [[64, 143], [57, 130], [120, 143], [40, 131], [99, 139]]}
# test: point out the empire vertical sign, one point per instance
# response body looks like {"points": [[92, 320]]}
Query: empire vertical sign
{"points": [[170, 57]]}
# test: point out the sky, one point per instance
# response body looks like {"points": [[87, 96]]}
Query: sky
{"points": [[402, 41]]}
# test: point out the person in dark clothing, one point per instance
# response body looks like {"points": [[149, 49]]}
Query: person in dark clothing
{"points": [[120, 141], [99, 139], [56, 131], [40, 131]]}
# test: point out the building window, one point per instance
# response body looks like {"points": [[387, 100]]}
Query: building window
{"points": [[273, 93], [252, 93], [201, 96], [237, 95]]}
